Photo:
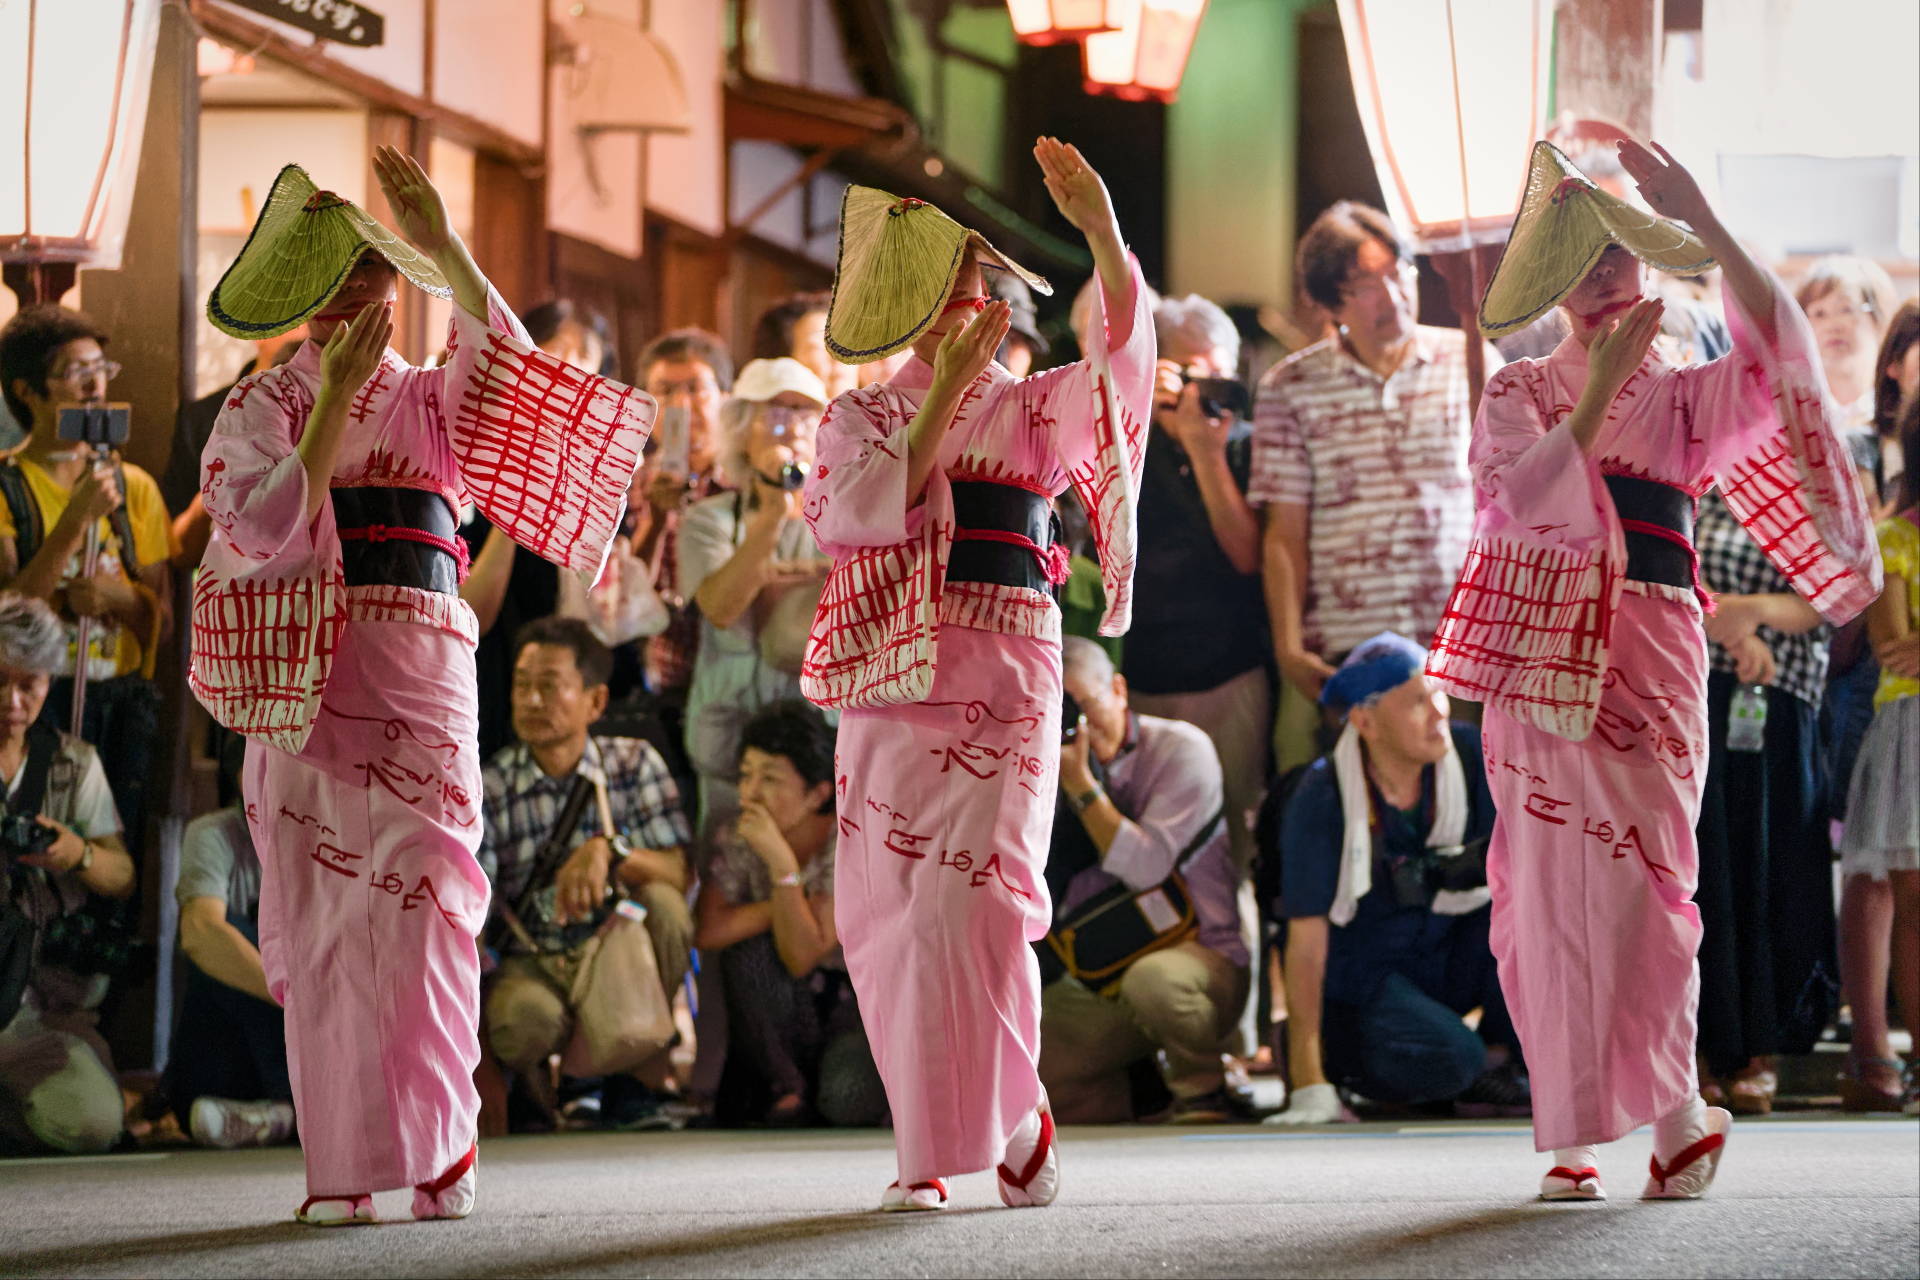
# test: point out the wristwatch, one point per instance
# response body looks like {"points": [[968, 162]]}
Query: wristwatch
{"points": [[622, 848], [1085, 800], [86, 858], [791, 880]]}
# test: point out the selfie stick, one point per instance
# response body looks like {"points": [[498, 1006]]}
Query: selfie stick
{"points": [[90, 561]]}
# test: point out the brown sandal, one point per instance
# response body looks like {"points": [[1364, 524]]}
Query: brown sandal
{"points": [[1858, 1094]]}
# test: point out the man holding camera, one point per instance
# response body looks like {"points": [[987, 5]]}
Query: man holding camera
{"points": [[1383, 887], [55, 490], [1144, 866], [60, 850], [1197, 650]]}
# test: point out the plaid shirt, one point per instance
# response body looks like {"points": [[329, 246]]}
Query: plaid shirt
{"points": [[523, 803], [1731, 563]]}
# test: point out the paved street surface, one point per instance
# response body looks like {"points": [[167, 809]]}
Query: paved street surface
{"points": [[1798, 1196]]}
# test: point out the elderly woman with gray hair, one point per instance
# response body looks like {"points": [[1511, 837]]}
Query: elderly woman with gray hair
{"points": [[61, 851], [747, 559]]}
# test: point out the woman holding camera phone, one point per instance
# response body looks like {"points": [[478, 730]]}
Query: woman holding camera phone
{"points": [[938, 639]]}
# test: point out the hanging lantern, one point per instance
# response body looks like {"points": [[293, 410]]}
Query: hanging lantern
{"points": [[73, 106], [1146, 56], [1057, 21], [1452, 97]]}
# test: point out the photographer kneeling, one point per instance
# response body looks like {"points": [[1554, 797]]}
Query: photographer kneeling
{"points": [[60, 842], [1145, 920], [1383, 887]]}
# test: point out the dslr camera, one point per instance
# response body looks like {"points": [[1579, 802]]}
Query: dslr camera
{"points": [[22, 835]]}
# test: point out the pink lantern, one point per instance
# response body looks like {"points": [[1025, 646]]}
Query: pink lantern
{"points": [[1145, 58], [1042, 22]]}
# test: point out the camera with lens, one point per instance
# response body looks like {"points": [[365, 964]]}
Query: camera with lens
{"points": [[1448, 868], [1222, 396], [1069, 719], [793, 475], [22, 835]]}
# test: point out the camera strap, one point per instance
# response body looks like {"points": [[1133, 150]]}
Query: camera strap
{"points": [[43, 745]]}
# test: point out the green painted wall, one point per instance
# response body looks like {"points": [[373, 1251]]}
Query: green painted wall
{"points": [[1232, 143], [960, 102]]}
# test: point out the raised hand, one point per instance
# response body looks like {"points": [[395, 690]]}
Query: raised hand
{"points": [[1076, 189], [417, 205], [967, 349], [1664, 183], [355, 350], [1619, 349]]}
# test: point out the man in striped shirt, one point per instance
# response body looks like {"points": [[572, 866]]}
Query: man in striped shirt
{"points": [[1360, 465]]}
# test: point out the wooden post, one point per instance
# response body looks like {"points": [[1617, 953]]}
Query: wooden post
{"points": [[1608, 61]]}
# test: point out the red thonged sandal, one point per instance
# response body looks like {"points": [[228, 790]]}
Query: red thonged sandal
{"points": [[1562, 1183], [451, 1195], [918, 1197], [1688, 1175], [336, 1211], [1038, 1181]]}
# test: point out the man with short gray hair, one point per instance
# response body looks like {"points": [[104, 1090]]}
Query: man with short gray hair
{"points": [[1198, 650], [60, 852]]}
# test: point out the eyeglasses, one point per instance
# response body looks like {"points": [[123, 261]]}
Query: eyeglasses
{"points": [[75, 374], [1399, 280]]}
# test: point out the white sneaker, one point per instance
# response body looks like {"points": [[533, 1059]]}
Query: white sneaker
{"points": [[227, 1123], [1036, 1181], [918, 1198]]}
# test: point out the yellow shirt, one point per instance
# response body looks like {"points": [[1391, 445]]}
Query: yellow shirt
{"points": [[1900, 554], [112, 649]]}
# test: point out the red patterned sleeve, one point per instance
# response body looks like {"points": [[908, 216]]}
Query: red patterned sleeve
{"points": [[1098, 409], [1529, 624], [544, 449], [1771, 431], [269, 601]]}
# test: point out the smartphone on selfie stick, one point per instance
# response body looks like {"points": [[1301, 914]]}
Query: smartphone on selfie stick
{"points": [[103, 427]]}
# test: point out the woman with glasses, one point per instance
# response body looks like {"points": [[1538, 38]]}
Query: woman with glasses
{"points": [[747, 559]]}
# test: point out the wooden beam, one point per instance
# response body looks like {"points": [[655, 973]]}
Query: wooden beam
{"points": [[226, 25]]}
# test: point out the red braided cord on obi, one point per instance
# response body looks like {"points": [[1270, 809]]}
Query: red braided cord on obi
{"points": [[1707, 605], [1054, 560], [455, 547]]}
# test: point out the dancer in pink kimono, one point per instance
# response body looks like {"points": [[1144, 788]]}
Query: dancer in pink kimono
{"points": [[327, 627], [939, 640], [1577, 620]]}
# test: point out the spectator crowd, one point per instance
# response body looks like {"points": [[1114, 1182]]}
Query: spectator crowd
{"points": [[1269, 850]]}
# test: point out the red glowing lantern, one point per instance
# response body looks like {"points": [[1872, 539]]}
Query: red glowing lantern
{"points": [[1057, 21], [1144, 58]]}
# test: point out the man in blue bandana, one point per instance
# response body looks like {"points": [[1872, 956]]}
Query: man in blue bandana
{"points": [[1383, 887]]}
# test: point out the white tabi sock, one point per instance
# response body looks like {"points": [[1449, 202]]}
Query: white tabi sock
{"points": [[1575, 1158], [1680, 1128]]}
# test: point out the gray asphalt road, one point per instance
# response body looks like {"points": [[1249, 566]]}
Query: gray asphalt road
{"points": [[1816, 1196]]}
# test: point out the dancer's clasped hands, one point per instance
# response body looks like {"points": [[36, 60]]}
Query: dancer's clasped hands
{"points": [[967, 349]]}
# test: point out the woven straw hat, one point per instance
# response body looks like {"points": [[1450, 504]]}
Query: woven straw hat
{"points": [[302, 246], [1565, 223], [898, 261]]}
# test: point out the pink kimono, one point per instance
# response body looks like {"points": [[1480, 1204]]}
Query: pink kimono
{"points": [[948, 752], [363, 774], [1595, 731]]}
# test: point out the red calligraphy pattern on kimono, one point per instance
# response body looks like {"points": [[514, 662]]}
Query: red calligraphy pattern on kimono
{"points": [[545, 450], [1595, 728], [1529, 626], [1081, 425], [363, 770], [947, 757]]}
